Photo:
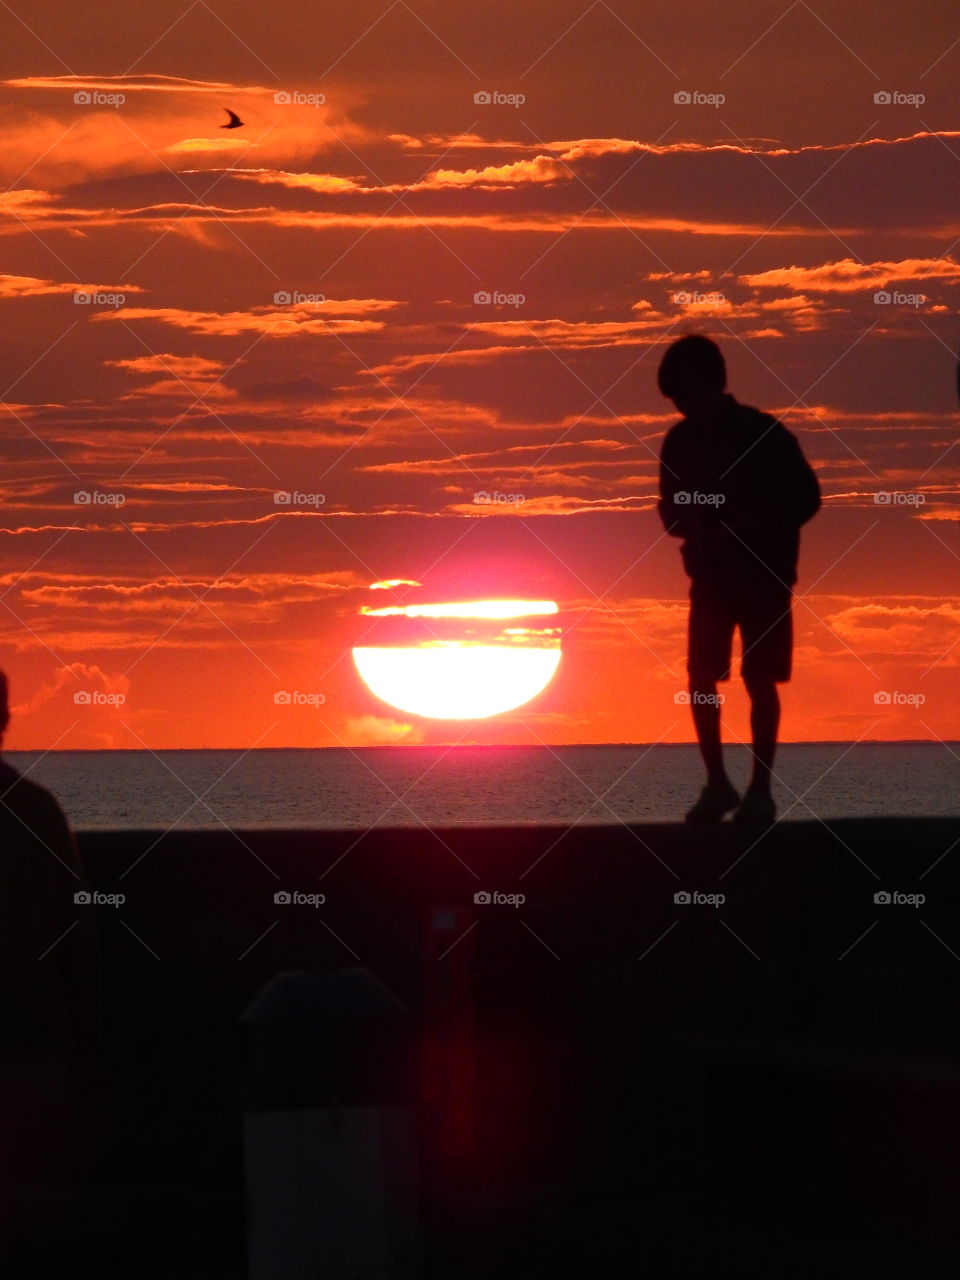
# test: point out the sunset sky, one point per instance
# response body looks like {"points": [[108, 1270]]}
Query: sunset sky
{"points": [[369, 186]]}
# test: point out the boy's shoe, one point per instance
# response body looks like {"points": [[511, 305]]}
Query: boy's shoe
{"points": [[716, 799], [757, 809]]}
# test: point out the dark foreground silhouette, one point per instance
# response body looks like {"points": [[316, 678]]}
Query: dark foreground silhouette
{"points": [[49, 985], [735, 486], [623, 1070]]}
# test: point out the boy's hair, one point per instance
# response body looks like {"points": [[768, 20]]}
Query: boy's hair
{"points": [[694, 360]]}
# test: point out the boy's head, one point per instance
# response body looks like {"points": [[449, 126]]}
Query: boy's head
{"points": [[693, 374]]}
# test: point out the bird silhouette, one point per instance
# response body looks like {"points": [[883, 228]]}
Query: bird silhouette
{"points": [[234, 123]]}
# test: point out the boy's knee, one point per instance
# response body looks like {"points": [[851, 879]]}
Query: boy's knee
{"points": [[760, 687], [698, 682]]}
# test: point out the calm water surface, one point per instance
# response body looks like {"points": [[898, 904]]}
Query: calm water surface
{"points": [[392, 786]]}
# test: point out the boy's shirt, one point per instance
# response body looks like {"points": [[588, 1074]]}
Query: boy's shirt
{"points": [[744, 489]]}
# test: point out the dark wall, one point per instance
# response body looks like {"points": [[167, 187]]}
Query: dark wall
{"points": [[598, 1032]]}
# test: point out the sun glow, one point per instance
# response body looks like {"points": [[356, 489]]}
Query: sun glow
{"points": [[462, 666], [456, 682], [465, 609]]}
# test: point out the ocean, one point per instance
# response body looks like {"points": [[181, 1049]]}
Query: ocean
{"points": [[461, 785]]}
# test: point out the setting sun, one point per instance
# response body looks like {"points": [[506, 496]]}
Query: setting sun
{"points": [[480, 673]]}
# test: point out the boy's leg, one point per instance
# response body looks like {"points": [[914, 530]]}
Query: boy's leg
{"points": [[766, 628], [764, 724], [708, 660], [706, 720], [719, 796], [709, 650]]}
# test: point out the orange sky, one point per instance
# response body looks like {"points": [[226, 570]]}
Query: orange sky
{"points": [[293, 306]]}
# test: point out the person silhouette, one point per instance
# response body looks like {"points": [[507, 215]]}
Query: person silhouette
{"points": [[49, 980], [736, 487]]}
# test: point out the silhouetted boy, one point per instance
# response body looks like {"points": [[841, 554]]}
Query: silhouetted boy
{"points": [[735, 486]]}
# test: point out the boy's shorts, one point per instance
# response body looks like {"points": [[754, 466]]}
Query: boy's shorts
{"points": [[766, 633]]}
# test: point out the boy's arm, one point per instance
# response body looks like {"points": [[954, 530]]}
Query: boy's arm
{"points": [[804, 487], [676, 516]]}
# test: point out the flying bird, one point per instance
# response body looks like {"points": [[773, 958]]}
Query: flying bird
{"points": [[234, 123]]}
